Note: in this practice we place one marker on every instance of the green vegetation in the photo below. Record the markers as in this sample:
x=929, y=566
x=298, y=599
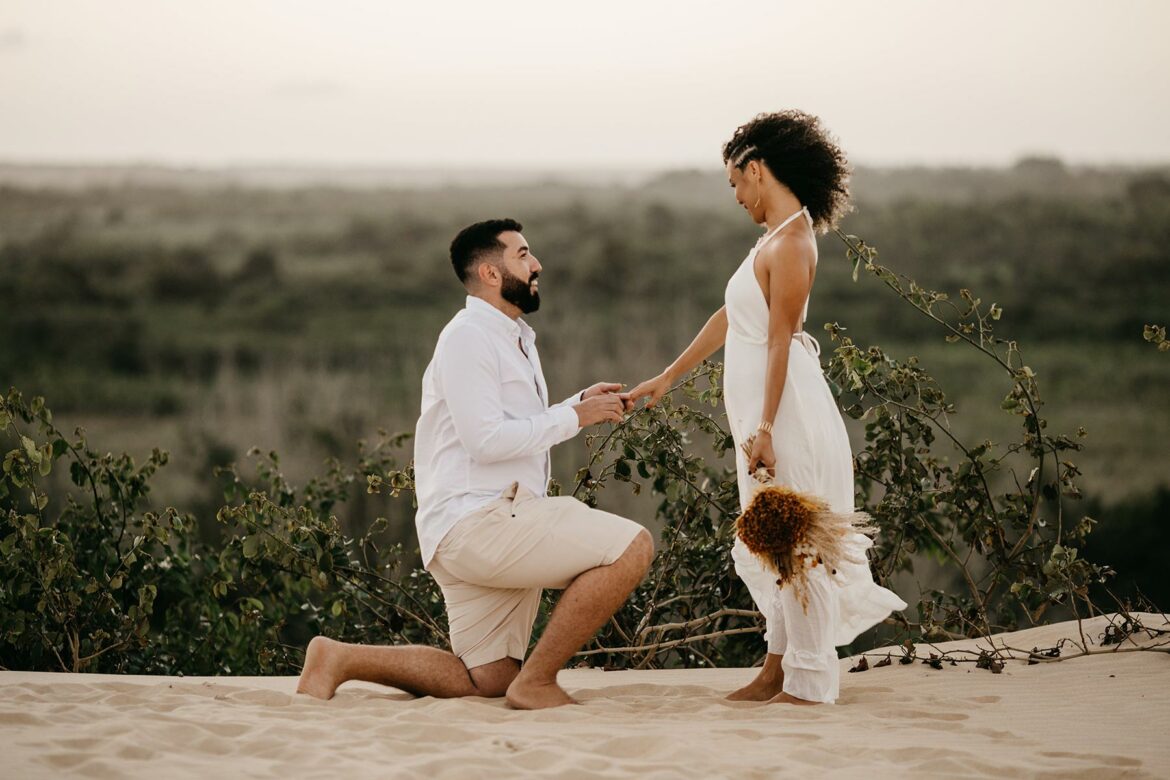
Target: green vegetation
x=99, y=581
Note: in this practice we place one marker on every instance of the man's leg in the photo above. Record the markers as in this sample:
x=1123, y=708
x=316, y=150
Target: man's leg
x=585, y=605
x=483, y=664
x=422, y=671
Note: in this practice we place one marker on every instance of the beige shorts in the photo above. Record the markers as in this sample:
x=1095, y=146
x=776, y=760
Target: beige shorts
x=493, y=565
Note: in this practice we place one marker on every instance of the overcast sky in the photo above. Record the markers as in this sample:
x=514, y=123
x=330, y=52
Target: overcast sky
x=501, y=83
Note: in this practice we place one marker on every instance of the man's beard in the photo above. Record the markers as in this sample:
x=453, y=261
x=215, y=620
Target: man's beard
x=519, y=293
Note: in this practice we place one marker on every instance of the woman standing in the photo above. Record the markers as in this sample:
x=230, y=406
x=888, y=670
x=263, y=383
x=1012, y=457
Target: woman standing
x=791, y=178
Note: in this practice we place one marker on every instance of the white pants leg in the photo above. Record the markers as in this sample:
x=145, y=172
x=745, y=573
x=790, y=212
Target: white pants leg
x=805, y=640
x=761, y=583
x=811, y=671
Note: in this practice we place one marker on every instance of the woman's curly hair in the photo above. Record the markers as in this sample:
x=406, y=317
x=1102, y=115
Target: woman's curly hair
x=802, y=155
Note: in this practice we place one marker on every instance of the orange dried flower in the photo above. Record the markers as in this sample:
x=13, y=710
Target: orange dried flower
x=793, y=532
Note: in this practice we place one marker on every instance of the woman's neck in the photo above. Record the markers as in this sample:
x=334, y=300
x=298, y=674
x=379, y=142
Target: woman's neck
x=782, y=205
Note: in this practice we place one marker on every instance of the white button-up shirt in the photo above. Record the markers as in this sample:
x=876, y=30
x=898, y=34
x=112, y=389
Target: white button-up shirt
x=485, y=420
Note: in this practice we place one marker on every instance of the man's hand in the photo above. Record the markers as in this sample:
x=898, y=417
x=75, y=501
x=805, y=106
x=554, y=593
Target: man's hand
x=599, y=408
x=599, y=389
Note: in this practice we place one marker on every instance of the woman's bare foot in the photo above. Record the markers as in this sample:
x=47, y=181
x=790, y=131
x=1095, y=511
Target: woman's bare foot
x=769, y=681
x=320, y=676
x=757, y=690
x=762, y=688
x=525, y=695
x=787, y=698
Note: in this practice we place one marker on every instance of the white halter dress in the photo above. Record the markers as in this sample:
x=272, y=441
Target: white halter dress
x=812, y=456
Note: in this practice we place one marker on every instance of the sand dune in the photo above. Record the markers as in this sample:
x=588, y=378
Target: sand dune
x=1098, y=716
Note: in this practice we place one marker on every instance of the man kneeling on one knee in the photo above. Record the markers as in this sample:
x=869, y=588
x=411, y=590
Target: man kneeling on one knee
x=488, y=532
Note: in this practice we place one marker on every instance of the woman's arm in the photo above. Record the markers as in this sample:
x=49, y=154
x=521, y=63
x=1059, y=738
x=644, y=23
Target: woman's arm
x=709, y=339
x=788, y=286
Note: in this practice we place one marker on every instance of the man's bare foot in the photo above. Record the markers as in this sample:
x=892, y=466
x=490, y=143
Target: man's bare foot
x=763, y=688
x=787, y=698
x=320, y=676
x=525, y=695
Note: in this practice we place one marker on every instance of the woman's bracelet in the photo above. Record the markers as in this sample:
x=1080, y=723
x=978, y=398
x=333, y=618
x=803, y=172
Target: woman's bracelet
x=765, y=426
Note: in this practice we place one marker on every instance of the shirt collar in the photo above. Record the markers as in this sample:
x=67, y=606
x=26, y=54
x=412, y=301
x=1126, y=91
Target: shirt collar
x=500, y=321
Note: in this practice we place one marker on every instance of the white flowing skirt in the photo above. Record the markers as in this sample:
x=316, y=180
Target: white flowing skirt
x=812, y=456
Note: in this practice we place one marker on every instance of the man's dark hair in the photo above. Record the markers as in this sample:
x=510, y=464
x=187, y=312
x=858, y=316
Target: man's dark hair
x=478, y=242
x=802, y=156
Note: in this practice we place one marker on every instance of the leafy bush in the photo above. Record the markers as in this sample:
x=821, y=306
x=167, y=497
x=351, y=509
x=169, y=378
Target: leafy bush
x=97, y=580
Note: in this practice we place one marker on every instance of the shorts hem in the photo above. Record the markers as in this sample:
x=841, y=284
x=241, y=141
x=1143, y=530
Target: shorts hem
x=496, y=651
x=618, y=548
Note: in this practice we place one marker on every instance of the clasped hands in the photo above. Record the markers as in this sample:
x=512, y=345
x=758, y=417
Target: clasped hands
x=604, y=402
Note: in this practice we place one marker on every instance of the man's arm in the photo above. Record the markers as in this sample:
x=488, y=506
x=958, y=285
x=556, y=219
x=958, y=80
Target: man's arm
x=470, y=382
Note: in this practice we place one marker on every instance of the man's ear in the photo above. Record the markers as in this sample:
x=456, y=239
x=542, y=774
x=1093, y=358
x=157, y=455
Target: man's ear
x=487, y=274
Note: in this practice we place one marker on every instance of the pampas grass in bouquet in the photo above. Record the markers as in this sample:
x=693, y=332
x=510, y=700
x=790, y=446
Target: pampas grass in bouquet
x=794, y=532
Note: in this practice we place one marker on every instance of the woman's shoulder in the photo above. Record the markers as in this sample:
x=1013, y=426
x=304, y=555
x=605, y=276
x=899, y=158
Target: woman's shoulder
x=788, y=250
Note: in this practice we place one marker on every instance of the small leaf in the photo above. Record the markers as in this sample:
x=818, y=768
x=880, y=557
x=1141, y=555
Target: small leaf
x=30, y=447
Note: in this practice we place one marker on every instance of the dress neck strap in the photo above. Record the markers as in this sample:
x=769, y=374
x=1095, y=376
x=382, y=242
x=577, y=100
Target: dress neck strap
x=786, y=223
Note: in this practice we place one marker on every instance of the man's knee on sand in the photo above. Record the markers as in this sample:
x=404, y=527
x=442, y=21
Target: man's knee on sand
x=491, y=680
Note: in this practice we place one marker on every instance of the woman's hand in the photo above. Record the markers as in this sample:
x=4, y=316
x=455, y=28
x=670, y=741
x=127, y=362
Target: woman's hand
x=762, y=456
x=652, y=389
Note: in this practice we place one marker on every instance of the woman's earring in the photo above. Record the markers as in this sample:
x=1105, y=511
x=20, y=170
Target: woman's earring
x=759, y=192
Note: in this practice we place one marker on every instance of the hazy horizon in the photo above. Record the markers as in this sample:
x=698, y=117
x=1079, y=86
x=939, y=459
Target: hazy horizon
x=522, y=84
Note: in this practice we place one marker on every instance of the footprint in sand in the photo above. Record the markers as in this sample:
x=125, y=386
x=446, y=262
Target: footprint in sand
x=214, y=746
x=67, y=760
x=266, y=698
x=924, y=715
x=225, y=729
x=538, y=759
x=136, y=753
x=20, y=719
x=1095, y=758
x=367, y=697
